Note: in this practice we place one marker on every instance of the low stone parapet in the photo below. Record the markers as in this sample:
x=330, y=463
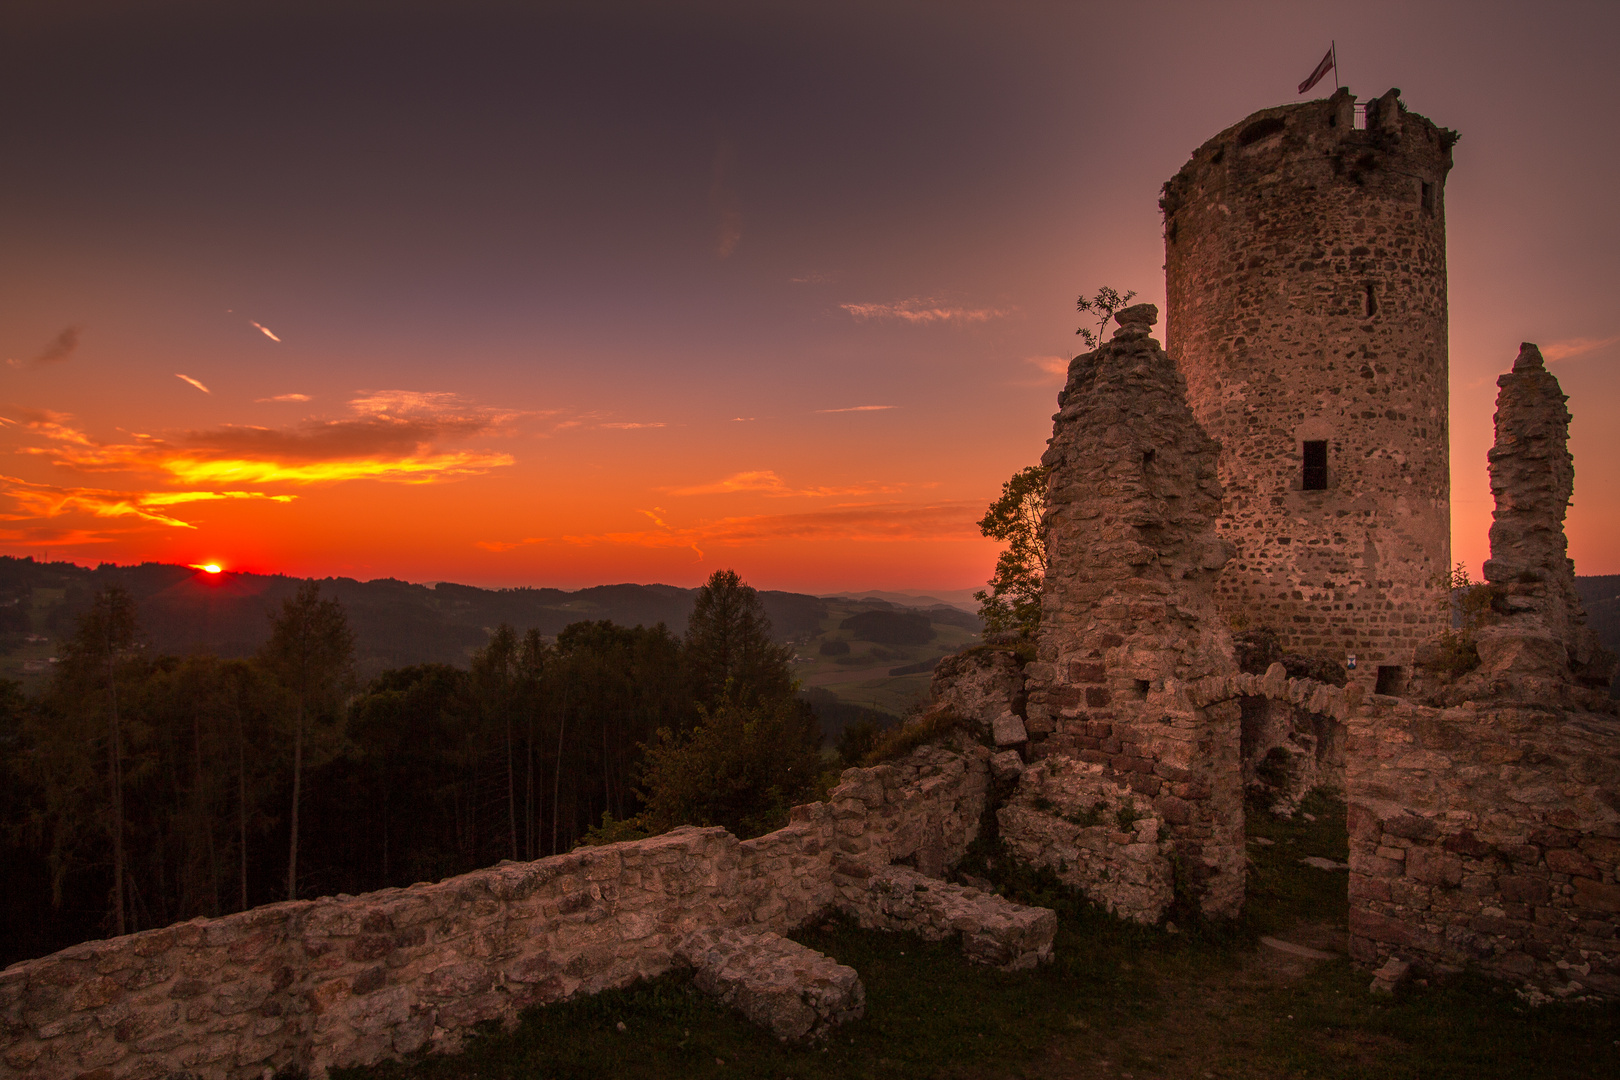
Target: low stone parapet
x=794, y=991
x=351, y=980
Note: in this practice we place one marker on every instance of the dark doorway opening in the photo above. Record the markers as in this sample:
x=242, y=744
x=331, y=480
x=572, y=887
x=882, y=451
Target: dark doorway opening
x=1391, y=680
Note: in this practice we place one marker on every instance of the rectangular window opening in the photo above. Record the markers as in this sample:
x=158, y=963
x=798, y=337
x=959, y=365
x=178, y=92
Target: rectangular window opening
x=1142, y=687
x=1391, y=680
x=1428, y=196
x=1148, y=456
x=1316, y=470
x=1372, y=301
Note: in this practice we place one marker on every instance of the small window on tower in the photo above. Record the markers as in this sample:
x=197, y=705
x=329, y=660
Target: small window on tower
x=1316, y=473
x=1372, y=301
x=1148, y=456
x=1428, y=196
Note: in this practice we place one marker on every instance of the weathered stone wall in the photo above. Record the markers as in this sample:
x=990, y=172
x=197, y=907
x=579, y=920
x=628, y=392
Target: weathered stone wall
x=1487, y=836
x=351, y=980
x=1305, y=265
x=1537, y=646
x=1128, y=616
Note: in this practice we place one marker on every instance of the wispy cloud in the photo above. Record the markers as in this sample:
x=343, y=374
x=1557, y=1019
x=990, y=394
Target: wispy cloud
x=813, y=279
x=859, y=408
x=885, y=522
x=741, y=419
x=396, y=437
x=285, y=397
x=1055, y=369
x=723, y=200
x=56, y=350
x=508, y=545
x=35, y=501
x=265, y=330
x=766, y=482
x=193, y=382
x=1572, y=347
x=628, y=426
x=922, y=311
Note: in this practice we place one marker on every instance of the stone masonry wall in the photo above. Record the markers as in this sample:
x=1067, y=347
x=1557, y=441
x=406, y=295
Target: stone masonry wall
x=351, y=980
x=1487, y=836
x=1305, y=266
x=1538, y=646
x=1128, y=619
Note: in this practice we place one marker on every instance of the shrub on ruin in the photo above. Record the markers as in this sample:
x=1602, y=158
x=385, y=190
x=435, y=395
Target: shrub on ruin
x=741, y=766
x=897, y=742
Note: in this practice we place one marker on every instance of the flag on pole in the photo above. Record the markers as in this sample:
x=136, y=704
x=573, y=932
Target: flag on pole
x=1329, y=62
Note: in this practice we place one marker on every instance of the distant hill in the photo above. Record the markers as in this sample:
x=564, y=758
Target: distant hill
x=395, y=622
x=1600, y=596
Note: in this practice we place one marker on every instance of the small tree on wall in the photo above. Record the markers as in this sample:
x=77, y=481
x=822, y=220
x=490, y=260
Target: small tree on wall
x=1102, y=307
x=1013, y=601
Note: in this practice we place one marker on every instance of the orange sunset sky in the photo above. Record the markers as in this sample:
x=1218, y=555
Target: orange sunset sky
x=567, y=294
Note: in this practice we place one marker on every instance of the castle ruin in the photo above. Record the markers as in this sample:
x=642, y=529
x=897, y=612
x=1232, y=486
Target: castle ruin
x=1280, y=466
x=1305, y=269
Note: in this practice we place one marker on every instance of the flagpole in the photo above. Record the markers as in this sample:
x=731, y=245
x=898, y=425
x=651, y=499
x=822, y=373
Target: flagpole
x=1338, y=82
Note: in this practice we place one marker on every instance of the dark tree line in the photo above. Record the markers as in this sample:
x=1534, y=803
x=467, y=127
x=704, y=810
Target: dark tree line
x=138, y=789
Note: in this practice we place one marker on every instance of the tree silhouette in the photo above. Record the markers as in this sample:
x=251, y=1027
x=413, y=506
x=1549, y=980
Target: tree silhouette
x=729, y=651
x=311, y=653
x=1013, y=602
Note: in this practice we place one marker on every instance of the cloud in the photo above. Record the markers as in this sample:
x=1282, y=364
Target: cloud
x=886, y=522
x=1054, y=368
x=1572, y=347
x=723, y=200
x=766, y=482
x=813, y=279
x=395, y=438
x=508, y=545
x=631, y=426
x=265, y=331
x=920, y=311
x=193, y=382
x=860, y=408
x=285, y=397
x=49, y=501
x=741, y=419
x=56, y=350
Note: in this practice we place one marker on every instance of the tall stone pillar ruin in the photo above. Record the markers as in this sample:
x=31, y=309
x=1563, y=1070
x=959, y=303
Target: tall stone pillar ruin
x=1136, y=795
x=1540, y=643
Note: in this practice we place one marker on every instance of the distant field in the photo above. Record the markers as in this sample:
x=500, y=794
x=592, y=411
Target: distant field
x=861, y=677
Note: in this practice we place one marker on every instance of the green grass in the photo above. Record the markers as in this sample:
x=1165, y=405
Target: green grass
x=1119, y=998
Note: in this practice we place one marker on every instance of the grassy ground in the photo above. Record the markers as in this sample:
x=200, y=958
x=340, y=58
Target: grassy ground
x=1119, y=1001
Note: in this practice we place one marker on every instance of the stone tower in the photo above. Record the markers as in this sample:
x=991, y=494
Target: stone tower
x=1305, y=264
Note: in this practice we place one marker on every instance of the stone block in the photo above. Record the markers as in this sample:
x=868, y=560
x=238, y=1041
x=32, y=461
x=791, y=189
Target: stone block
x=794, y=992
x=1008, y=730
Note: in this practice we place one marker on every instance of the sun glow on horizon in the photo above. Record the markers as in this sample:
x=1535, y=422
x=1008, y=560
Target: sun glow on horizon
x=207, y=568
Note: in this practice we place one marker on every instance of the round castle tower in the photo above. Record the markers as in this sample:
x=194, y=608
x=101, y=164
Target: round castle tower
x=1305, y=265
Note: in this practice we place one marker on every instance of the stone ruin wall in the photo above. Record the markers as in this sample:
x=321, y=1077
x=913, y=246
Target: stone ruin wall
x=1277, y=232
x=351, y=980
x=1147, y=778
x=1487, y=836
x=1488, y=833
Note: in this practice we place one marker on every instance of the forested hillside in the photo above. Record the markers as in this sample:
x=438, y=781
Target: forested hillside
x=140, y=786
x=395, y=623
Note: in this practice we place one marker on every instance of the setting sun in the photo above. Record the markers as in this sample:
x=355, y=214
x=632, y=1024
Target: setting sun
x=207, y=568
